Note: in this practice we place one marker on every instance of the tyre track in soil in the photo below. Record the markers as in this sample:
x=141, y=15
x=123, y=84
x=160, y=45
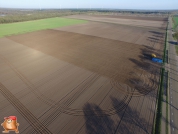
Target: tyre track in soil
x=32, y=87
x=112, y=111
x=153, y=74
x=152, y=85
x=57, y=111
x=152, y=103
x=130, y=90
x=149, y=115
x=118, y=86
x=135, y=120
x=108, y=112
x=37, y=84
x=83, y=111
x=138, y=107
x=68, y=102
x=144, y=127
x=120, y=107
x=141, y=110
x=141, y=125
x=77, y=112
x=27, y=82
x=30, y=118
x=54, y=111
x=125, y=108
x=38, y=94
x=132, y=123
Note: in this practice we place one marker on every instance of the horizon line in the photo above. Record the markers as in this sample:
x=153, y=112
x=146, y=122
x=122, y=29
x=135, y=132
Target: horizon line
x=90, y=9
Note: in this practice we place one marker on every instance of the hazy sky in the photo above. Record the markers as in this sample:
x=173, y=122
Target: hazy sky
x=117, y=4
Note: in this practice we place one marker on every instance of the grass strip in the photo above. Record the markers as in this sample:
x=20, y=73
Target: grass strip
x=157, y=124
x=167, y=129
x=154, y=122
x=175, y=21
x=159, y=106
x=165, y=47
x=176, y=49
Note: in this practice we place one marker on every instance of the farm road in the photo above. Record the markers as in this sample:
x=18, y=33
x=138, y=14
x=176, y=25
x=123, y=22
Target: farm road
x=173, y=78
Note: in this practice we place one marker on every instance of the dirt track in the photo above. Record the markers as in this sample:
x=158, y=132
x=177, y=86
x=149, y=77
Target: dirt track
x=78, y=83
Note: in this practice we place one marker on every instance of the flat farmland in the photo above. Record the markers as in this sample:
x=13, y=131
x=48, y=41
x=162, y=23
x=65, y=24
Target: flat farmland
x=130, y=34
x=73, y=81
x=153, y=22
x=135, y=17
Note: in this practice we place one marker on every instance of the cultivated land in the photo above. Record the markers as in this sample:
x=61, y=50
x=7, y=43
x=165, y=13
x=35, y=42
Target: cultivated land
x=86, y=78
x=29, y=26
x=125, y=33
x=137, y=21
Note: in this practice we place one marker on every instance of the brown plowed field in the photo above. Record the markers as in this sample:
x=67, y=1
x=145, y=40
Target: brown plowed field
x=61, y=81
x=137, y=21
x=136, y=17
x=130, y=34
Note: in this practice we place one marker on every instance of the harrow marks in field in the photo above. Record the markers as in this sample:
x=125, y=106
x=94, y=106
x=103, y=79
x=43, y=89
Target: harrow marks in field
x=139, y=84
x=32, y=120
x=73, y=78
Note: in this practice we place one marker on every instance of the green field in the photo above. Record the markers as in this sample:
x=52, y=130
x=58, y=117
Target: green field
x=175, y=20
x=176, y=49
x=29, y=26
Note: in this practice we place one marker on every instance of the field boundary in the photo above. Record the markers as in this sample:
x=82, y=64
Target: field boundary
x=157, y=124
x=167, y=86
x=159, y=103
x=167, y=107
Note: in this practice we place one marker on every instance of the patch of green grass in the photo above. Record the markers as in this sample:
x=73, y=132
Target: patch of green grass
x=176, y=49
x=29, y=26
x=159, y=105
x=175, y=20
x=167, y=129
x=157, y=122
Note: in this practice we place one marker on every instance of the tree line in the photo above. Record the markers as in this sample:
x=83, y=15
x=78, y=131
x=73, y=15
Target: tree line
x=19, y=15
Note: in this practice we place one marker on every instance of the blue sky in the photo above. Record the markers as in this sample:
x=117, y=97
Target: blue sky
x=116, y=4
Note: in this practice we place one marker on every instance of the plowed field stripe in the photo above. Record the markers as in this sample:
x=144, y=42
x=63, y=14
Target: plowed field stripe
x=28, y=116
